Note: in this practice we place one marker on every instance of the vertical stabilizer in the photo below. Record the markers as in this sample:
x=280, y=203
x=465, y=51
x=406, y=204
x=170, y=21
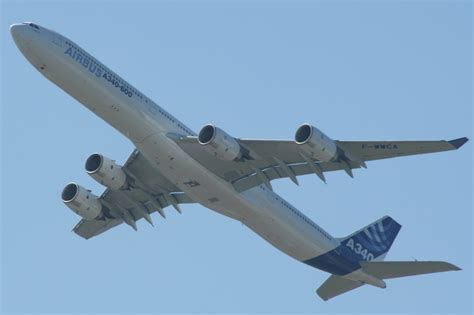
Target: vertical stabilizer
x=373, y=241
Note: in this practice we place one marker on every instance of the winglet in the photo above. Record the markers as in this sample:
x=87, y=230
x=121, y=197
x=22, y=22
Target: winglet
x=455, y=268
x=457, y=143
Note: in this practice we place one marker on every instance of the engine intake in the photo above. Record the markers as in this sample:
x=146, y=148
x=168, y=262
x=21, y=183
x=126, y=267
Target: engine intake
x=219, y=143
x=81, y=201
x=106, y=172
x=315, y=143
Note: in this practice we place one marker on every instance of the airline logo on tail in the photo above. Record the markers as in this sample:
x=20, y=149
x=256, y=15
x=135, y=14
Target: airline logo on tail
x=374, y=240
x=365, y=245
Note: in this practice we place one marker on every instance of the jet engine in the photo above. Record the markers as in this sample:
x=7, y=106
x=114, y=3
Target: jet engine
x=106, y=172
x=219, y=143
x=81, y=201
x=315, y=143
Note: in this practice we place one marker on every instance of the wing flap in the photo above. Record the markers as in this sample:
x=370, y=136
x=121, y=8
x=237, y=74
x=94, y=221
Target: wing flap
x=274, y=171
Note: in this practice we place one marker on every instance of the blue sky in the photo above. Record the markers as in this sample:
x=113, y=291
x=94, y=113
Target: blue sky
x=358, y=70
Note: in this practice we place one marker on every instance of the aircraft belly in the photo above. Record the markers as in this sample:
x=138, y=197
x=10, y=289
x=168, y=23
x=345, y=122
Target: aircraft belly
x=194, y=179
x=253, y=208
x=277, y=225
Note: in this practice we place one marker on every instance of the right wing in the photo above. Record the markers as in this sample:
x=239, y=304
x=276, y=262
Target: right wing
x=274, y=159
x=149, y=192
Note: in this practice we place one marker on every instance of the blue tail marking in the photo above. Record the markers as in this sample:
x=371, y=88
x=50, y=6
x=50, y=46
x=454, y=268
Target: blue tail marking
x=367, y=244
x=374, y=240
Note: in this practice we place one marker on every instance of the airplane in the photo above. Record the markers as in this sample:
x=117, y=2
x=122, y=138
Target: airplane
x=172, y=165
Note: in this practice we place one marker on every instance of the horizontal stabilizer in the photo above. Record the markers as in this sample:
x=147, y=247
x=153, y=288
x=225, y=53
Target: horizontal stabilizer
x=336, y=285
x=398, y=269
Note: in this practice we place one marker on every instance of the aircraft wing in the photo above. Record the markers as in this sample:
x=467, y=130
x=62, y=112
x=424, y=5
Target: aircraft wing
x=150, y=192
x=273, y=159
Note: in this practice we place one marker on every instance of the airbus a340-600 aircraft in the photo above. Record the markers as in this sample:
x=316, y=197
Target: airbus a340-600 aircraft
x=171, y=165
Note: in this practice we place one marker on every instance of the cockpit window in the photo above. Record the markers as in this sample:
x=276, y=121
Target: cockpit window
x=32, y=25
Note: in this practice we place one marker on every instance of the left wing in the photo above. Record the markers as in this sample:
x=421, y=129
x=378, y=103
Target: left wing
x=148, y=192
x=272, y=159
x=128, y=207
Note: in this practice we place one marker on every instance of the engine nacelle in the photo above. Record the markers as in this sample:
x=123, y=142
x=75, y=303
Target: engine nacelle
x=81, y=201
x=315, y=143
x=106, y=172
x=219, y=143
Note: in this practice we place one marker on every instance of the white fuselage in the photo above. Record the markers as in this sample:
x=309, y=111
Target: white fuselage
x=147, y=125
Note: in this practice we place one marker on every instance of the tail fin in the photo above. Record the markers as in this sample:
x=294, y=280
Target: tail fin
x=373, y=241
x=337, y=285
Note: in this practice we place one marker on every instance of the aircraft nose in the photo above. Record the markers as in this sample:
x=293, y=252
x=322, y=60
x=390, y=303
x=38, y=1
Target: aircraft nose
x=21, y=34
x=18, y=31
